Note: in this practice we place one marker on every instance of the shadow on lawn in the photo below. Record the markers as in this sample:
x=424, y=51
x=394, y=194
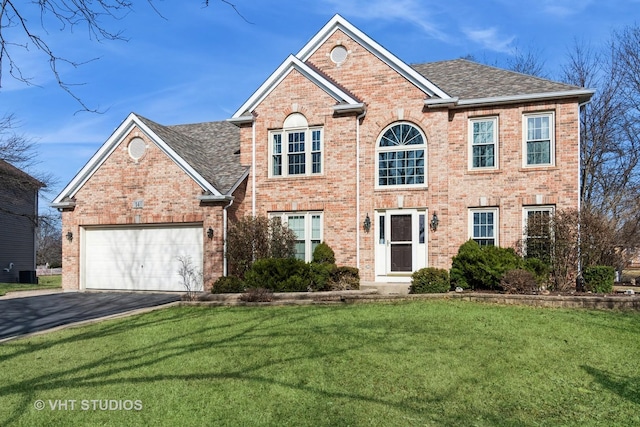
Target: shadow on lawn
x=260, y=332
x=108, y=370
x=243, y=332
x=625, y=387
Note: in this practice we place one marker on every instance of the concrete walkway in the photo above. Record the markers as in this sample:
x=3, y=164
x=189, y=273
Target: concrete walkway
x=386, y=288
x=31, y=293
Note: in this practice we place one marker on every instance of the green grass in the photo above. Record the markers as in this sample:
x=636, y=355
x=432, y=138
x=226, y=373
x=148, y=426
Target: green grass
x=435, y=363
x=44, y=282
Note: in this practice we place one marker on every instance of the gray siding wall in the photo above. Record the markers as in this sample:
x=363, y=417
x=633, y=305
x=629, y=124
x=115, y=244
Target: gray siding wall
x=17, y=232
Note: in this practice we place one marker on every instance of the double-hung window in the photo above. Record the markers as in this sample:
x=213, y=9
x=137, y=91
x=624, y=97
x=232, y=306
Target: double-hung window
x=483, y=226
x=307, y=226
x=537, y=232
x=539, y=143
x=401, y=157
x=296, y=149
x=483, y=146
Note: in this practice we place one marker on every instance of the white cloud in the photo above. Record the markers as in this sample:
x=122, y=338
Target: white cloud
x=413, y=11
x=489, y=38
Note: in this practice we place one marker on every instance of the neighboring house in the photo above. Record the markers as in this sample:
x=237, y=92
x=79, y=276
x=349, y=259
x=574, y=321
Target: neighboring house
x=18, y=224
x=394, y=166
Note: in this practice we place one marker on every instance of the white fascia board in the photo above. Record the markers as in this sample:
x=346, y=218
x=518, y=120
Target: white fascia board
x=109, y=147
x=338, y=22
x=290, y=64
x=578, y=93
x=95, y=161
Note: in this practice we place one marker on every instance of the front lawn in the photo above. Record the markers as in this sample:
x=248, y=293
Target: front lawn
x=44, y=282
x=433, y=363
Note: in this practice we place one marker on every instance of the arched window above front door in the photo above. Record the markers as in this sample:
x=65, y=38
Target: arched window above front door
x=401, y=157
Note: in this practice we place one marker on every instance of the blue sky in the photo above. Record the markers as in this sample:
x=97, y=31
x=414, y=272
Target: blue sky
x=200, y=64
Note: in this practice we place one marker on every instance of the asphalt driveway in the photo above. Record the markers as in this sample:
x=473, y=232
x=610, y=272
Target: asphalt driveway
x=20, y=316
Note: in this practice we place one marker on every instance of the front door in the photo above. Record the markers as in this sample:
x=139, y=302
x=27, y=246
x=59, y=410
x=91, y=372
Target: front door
x=400, y=244
x=400, y=248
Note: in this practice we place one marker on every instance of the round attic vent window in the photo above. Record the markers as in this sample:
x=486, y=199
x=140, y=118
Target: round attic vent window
x=339, y=54
x=137, y=148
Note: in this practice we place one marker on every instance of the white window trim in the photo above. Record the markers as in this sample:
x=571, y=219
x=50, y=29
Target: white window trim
x=552, y=139
x=308, y=150
x=284, y=217
x=496, y=139
x=496, y=222
x=408, y=148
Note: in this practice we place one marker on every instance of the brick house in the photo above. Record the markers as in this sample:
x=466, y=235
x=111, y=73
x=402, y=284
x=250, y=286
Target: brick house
x=394, y=166
x=18, y=224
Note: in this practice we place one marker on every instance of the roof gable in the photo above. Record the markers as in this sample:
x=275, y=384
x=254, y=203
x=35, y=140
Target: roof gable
x=187, y=152
x=292, y=63
x=339, y=23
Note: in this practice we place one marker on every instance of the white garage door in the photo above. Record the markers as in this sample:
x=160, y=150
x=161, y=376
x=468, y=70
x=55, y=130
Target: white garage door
x=140, y=258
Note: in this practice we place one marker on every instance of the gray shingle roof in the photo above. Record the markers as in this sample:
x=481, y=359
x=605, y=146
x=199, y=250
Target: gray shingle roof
x=212, y=149
x=469, y=80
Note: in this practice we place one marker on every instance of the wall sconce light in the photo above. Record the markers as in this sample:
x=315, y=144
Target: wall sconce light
x=210, y=233
x=69, y=236
x=367, y=224
x=433, y=225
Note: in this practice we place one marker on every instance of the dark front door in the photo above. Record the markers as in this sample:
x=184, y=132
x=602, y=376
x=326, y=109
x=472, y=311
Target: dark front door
x=400, y=243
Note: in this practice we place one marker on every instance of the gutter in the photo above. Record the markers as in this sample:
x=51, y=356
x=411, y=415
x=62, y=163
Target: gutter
x=349, y=108
x=454, y=103
x=208, y=198
x=63, y=205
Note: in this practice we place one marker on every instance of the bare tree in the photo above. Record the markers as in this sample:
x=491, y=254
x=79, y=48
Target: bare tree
x=96, y=17
x=18, y=155
x=529, y=61
x=49, y=241
x=610, y=129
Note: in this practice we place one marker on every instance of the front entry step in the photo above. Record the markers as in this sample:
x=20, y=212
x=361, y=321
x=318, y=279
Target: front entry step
x=387, y=288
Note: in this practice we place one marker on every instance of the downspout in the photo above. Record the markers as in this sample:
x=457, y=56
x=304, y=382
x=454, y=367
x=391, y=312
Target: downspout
x=580, y=191
x=253, y=168
x=225, y=223
x=358, y=118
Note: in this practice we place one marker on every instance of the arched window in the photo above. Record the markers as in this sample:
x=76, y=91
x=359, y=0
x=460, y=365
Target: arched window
x=401, y=157
x=296, y=149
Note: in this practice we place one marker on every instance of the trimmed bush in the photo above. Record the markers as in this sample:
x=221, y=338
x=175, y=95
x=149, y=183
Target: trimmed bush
x=344, y=279
x=479, y=267
x=320, y=275
x=228, y=285
x=599, y=278
x=429, y=280
x=279, y=275
x=519, y=282
x=324, y=254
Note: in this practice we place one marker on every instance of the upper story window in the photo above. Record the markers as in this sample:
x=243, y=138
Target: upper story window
x=401, y=156
x=539, y=144
x=296, y=149
x=483, y=143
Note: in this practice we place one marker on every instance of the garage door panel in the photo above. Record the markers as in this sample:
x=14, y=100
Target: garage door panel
x=140, y=258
